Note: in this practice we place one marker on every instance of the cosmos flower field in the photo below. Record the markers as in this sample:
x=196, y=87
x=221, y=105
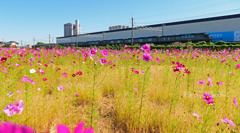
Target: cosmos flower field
x=128, y=90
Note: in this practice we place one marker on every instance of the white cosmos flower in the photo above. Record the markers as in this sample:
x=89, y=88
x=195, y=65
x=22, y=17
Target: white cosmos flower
x=91, y=58
x=32, y=70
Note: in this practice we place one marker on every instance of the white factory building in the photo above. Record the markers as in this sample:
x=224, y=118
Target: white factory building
x=225, y=28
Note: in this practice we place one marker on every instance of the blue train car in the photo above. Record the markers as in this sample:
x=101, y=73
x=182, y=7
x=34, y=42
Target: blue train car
x=222, y=36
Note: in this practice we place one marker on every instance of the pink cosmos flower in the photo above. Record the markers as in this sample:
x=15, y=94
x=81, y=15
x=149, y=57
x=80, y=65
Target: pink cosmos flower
x=201, y=82
x=163, y=60
x=10, y=110
x=105, y=52
x=12, y=128
x=64, y=74
x=19, y=106
x=24, y=79
x=41, y=71
x=76, y=95
x=79, y=129
x=135, y=89
x=103, y=61
x=208, y=98
x=219, y=83
x=146, y=47
x=31, y=81
x=10, y=94
x=92, y=52
x=157, y=60
x=230, y=122
x=196, y=115
x=209, y=82
x=235, y=102
x=60, y=87
x=147, y=57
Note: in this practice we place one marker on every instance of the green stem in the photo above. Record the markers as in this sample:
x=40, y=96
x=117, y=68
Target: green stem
x=140, y=110
x=94, y=81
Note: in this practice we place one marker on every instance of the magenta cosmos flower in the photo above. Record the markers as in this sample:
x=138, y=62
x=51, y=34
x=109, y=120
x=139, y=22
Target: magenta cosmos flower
x=230, y=122
x=3, y=59
x=85, y=55
x=103, y=61
x=92, y=52
x=237, y=66
x=208, y=98
x=104, y=52
x=64, y=74
x=147, y=57
x=146, y=47
x=79, y=129
x=201, y=82
x=12, y=128
x=219, y=83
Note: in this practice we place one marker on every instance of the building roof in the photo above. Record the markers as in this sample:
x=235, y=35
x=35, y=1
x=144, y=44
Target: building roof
x=167, y=24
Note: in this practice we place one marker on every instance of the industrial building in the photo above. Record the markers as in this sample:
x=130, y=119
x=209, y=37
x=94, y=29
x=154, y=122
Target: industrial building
x=72, y=29
x=225, y=28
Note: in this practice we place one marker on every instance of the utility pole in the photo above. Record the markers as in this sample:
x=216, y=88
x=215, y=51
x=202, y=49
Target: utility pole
x=103, y=36
x=33, y=40
x=49, y=40
x=163, y=29
x=132, y=30
x=77, y=39
x=21, y=43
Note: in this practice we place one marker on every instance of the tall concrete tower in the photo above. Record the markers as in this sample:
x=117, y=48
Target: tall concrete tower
x=78, y=27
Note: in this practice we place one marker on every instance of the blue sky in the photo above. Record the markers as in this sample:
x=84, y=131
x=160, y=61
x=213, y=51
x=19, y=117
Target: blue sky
x=25, y=19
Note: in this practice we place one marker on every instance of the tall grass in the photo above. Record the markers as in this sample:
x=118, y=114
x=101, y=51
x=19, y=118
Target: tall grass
x=104, y=96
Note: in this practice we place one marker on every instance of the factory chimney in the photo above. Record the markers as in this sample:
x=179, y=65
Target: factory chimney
x=77, y=27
